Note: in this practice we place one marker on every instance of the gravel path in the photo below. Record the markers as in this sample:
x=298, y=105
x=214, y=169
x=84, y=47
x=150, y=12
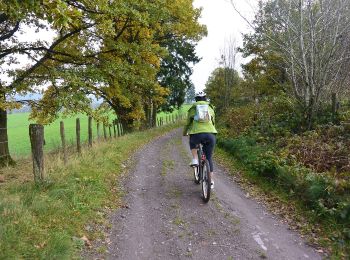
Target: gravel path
x=166, y=219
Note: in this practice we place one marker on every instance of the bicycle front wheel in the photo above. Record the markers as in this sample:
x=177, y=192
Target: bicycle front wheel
x=206, y=182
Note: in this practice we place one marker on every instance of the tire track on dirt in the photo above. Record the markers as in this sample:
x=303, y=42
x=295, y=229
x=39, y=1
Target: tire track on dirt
x=166, y=218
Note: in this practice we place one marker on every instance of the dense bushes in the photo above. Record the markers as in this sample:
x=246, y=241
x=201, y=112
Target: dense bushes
x=325, y=149
x=320, y=192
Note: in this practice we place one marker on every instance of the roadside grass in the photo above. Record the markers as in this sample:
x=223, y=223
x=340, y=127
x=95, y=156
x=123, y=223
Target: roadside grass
x=48, y=221
x=316, y=231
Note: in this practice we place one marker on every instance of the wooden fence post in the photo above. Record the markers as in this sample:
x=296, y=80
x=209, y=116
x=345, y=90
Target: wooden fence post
x=118, y=128
x=115, y=132
x=90, y=130
x=98, y=130
x=36, y=135
x=104, y=131
x=78, y=135
x=121, y=129
x=63, y=140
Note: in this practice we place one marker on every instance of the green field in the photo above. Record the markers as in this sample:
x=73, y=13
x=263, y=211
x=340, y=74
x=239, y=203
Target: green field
x=18, y=132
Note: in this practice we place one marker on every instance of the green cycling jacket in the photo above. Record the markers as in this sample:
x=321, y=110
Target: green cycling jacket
x=194, y=127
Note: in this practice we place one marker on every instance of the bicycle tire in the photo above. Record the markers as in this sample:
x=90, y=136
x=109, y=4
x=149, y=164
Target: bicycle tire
x=196, y=175
x=206, y=182
x=197, y=170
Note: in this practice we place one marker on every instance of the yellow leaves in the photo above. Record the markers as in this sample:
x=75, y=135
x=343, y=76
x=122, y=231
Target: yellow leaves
x=187, y=19
x=46, y=110
x=9, y=104
x=151, y=58
x=160, y=94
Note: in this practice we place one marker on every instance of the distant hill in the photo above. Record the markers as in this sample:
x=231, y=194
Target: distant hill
x=26, y=108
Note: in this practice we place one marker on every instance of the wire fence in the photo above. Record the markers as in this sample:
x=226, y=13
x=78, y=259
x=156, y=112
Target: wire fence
x=37, y=140
x=18, y=134
x=18, y=142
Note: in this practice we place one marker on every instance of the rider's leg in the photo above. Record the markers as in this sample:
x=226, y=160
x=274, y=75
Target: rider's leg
x=208, y=149
x=194, y=154
x=193, y=146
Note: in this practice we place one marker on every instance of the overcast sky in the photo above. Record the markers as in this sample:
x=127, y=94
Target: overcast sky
x=222, y=23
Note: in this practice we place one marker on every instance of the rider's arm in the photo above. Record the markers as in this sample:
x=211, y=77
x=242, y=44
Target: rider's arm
x=188, y=122
x=213, y=115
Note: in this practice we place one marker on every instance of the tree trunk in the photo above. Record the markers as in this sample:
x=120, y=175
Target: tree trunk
x=63, y=140
x=154, y=116
x=148, y=113
x=310, y=113
x=334, y=107
x=104, y=131
x=5, y=158
x=114, y=130
x=78, y=135
x=90, y=131
x=126, y=125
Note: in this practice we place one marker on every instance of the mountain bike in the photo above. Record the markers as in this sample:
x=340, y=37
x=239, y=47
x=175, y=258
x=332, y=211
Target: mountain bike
x=201, y=174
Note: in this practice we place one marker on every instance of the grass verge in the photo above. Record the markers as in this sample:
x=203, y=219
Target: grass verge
x=48, y=221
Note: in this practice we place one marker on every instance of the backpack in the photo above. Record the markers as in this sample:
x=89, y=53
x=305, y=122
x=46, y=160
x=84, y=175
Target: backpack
x=202, y=113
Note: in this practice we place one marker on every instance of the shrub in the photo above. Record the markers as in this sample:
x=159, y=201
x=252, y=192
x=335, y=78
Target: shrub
x=239, y=119
x=318, y=192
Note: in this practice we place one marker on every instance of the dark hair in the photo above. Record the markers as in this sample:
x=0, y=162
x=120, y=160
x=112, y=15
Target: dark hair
x=200, y=99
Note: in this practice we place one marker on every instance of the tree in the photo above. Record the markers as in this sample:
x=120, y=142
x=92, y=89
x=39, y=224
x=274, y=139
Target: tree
x=68, y=19
x=175, y=71
x=124, y=73
x=190, y=94
x=311, y=38
x=228, y=61
x=216, y=86
x=264, y=74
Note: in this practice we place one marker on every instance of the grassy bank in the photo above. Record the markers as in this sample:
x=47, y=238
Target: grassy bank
x=49, y=221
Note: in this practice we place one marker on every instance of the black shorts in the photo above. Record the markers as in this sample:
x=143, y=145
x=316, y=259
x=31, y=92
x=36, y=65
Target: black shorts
x=208, y=141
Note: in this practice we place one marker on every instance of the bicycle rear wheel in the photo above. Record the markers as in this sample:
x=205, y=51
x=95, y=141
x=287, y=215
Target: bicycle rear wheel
x=196, y=175
x=197, y=170
x=206, y=182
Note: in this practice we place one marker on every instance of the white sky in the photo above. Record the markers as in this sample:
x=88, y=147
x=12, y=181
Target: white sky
x=222, y=23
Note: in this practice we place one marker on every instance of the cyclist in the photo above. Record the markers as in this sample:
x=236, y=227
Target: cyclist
x=201, y=128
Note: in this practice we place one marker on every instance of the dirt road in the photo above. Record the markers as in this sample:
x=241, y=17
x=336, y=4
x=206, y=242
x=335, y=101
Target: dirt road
x=166, y=219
